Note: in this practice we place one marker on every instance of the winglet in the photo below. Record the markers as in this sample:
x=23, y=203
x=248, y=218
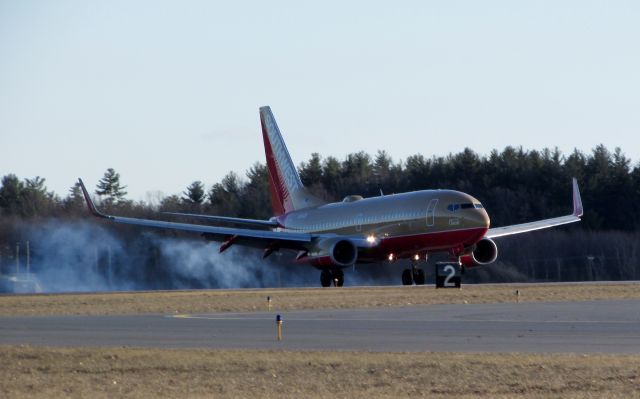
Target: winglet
x=577, y=201
x=92, y=208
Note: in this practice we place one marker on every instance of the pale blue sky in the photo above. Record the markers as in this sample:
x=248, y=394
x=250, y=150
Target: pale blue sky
x=167, y=92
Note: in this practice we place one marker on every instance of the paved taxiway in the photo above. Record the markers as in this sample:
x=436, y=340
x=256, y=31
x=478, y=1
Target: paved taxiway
x=598, y=326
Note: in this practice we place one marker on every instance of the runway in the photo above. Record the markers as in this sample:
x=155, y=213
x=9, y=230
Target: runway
x=582, y=327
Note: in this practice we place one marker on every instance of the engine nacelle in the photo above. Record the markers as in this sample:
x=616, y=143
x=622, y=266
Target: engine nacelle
x=333, y=252
x=485, y=252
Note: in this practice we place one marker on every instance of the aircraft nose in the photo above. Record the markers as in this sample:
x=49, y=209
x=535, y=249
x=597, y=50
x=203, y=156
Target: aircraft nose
x=479, y=218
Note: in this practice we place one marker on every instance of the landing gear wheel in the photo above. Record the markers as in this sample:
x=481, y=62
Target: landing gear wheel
x=418, y=276
x=407, y=278
x=331, y=277
x=338, y=277
x=326, y=278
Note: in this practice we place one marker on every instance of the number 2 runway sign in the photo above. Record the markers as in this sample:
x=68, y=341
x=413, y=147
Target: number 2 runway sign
x=447, y=275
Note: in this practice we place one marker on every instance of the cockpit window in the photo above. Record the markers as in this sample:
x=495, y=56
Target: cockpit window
x=466, y=205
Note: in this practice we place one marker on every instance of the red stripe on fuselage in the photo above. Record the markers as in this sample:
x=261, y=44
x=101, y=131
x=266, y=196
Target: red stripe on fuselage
x=406, y=246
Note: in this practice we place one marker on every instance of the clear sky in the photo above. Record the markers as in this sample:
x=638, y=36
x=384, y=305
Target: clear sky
x=167, y=92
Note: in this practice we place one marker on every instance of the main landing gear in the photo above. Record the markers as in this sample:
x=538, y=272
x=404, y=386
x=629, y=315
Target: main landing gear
x=413, y=275
x=330, y=277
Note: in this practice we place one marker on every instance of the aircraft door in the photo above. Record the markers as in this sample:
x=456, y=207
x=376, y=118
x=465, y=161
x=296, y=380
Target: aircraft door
x=431, y=212
x=359, y=218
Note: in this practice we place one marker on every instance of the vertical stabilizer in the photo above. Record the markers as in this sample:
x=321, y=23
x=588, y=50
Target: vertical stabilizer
x=287, y=192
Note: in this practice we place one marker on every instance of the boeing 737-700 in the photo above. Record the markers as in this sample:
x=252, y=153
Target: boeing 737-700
x=333, y=236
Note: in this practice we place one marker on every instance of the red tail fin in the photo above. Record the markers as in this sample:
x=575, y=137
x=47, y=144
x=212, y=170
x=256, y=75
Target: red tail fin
x=287, y=190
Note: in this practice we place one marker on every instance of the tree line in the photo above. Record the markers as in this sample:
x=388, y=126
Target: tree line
x=514, y=184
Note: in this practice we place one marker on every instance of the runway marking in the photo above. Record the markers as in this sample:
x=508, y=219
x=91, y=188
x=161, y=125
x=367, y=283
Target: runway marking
x=204, y=317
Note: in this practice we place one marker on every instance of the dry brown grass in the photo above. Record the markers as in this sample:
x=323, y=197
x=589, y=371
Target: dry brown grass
x=289, y=299
x=149, y=373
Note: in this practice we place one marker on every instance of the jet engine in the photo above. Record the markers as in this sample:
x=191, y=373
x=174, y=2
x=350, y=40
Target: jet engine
x=333, y=252
x=485, y=252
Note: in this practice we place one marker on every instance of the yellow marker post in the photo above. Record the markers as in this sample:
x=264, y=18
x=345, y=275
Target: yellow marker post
x=279, y=327
x=269, y=303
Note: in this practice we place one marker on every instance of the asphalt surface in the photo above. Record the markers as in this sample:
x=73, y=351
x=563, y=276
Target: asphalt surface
x=583, y=327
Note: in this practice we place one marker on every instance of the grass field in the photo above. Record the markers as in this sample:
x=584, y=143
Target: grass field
x=43, y=372
x=147, y=373
x=203, y=301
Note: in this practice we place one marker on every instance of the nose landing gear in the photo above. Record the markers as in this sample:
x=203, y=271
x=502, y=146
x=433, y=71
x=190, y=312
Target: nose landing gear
x=413, y=275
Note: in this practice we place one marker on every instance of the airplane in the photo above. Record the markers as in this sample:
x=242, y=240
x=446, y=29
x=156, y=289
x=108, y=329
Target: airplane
x=334, y=236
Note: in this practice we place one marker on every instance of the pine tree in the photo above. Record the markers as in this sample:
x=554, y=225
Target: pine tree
x=225, y=197
x=109, y=186
x=11, y=194
x=311, y=172
x=194, y=195
x=256, y=199
x=331, y=171
x=381, y=169
x=34, y=197
x=75, y=199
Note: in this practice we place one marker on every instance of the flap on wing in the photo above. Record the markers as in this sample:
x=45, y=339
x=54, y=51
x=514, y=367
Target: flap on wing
x=225, y=219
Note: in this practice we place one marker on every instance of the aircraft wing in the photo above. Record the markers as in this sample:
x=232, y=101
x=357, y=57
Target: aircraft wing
x=225, y=219
x=258, y=238
x=542, y=224
x=266, y=239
